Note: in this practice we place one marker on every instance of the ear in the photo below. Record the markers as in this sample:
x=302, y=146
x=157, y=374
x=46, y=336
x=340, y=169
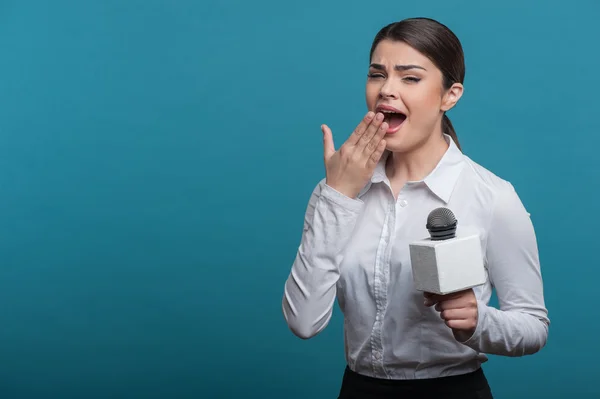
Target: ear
x=452, y=96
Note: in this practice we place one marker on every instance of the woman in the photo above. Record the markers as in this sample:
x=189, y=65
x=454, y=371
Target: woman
x=402, y=161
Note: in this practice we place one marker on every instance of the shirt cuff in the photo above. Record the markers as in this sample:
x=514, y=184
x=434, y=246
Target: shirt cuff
x=473, y=341
x=351, y=204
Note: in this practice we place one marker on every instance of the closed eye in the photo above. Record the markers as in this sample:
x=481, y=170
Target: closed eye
x=410, y=79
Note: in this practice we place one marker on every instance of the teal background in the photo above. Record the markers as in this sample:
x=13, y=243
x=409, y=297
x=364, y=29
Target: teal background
x=156, y=158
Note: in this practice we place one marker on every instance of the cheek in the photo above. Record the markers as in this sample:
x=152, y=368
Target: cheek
x=433, y=101
x=372, y=93
x=423, y=103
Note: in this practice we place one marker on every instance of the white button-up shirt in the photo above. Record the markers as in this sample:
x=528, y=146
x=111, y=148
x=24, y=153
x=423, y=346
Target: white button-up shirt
x=356, y=250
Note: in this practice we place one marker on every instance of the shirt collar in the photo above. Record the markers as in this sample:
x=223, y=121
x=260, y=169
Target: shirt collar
x=442, y=179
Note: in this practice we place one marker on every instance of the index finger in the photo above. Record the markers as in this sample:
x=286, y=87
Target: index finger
x=361, y=128
x=439, y=297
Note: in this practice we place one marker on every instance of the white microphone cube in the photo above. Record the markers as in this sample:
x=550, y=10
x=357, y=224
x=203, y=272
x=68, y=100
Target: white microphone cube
x=447, y=266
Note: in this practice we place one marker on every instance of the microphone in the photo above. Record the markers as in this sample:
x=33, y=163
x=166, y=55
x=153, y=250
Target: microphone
x=445, y=262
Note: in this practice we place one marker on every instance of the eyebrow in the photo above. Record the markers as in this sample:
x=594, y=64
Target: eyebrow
x=398, y=67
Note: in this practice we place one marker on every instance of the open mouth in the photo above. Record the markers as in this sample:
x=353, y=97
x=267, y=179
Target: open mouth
x=394, y=119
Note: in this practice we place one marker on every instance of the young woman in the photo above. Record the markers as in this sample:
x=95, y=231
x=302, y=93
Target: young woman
x=402, y=161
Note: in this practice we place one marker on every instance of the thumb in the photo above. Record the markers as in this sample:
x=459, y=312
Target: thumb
x=328, y=146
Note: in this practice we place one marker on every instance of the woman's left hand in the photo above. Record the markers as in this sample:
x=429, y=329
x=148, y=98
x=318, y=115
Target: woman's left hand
x=458, y=310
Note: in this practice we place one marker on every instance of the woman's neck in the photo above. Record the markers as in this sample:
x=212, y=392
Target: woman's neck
x=416, y=164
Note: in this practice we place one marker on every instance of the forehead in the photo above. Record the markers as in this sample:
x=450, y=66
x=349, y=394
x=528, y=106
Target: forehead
x=395, y=52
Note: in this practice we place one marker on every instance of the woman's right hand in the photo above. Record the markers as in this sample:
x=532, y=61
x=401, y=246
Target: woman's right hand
x=351, y=167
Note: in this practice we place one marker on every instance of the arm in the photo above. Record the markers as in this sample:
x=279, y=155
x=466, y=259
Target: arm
x=520, y=326
x=310, y=289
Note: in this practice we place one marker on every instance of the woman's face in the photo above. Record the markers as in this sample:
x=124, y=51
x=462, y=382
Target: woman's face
x=407, y=87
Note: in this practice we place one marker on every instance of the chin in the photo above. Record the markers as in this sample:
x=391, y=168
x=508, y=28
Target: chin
x=398, y=148
x=396, y=142
x=405, y=140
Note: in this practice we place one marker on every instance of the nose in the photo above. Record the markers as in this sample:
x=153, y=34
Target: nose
x=388, y=90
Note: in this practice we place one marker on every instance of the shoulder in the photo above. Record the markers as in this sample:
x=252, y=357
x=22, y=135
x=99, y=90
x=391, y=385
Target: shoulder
x=497, y=193
x=486, y=180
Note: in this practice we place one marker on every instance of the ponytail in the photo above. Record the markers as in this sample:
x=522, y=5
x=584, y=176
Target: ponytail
x=449, y=130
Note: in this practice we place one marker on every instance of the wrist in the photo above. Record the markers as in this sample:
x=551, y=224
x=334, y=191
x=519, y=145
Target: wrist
x=463, y=335
x=349, y=192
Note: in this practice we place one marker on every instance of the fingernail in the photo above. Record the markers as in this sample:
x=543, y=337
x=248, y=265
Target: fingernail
x=370, y=115
x=379, y=117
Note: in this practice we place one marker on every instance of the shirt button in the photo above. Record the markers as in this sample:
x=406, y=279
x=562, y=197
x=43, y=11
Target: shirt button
x=403, y=203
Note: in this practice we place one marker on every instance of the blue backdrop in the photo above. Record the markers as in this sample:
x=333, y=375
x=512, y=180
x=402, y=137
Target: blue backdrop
x=156, y=158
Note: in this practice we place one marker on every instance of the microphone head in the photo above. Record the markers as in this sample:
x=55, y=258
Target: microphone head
x=441, y=224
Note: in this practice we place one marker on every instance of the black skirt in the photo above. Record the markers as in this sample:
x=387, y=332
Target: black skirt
x=465, y=386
